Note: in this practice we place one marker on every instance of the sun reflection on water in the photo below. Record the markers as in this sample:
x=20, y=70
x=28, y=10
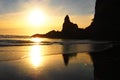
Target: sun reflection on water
x=36, y=40
x=35, y=56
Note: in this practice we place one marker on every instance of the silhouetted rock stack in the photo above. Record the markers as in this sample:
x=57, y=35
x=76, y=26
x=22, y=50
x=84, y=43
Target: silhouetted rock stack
x=69, y=27
x=105, y=25
x=71, y=30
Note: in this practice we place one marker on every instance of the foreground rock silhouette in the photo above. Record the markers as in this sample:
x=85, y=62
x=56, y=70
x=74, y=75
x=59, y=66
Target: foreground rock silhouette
x=105, y=25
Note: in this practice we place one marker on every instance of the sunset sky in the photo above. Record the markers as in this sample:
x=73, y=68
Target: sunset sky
x=27, y=17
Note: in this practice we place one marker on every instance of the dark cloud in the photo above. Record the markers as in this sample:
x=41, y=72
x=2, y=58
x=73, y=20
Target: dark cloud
x=9, y=6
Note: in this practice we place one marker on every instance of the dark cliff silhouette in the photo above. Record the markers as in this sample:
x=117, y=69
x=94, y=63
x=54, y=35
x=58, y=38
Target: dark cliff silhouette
x=105, y=25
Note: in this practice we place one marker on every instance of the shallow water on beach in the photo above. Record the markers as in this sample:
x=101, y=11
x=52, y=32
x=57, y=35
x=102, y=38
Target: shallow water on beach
x=25, y=58
x=54, y=67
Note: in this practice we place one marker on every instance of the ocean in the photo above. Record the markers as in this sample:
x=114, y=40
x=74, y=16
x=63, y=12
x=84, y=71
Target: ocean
x=27, y=58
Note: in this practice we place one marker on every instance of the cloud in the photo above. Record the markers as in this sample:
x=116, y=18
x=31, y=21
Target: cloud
x=8, y=6
x=74, y=7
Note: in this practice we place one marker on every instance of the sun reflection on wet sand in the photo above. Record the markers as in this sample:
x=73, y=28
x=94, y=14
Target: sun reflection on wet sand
x=35, y=56
x=36, y=40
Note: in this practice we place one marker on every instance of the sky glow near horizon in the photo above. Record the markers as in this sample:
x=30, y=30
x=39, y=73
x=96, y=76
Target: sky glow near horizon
x=14, y=15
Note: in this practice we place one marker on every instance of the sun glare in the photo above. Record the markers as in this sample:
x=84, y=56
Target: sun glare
x=36, y=40
x=36, y=17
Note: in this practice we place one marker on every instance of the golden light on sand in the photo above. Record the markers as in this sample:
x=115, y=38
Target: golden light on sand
x=35, y=56
x=36, y=17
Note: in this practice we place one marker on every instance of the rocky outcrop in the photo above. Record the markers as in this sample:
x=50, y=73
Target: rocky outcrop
x=69, y=27
x=69, y=31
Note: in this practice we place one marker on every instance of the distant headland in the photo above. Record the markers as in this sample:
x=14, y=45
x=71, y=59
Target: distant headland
x=105, y=25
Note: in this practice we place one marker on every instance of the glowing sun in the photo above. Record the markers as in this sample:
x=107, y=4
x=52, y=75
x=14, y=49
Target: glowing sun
x=36, y=17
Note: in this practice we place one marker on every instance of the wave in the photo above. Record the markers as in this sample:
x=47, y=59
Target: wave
x=14, y=36
x=16, y=40
x=29, y=43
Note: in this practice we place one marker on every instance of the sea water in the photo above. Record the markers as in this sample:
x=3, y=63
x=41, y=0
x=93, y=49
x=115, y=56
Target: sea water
x=27, y=58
